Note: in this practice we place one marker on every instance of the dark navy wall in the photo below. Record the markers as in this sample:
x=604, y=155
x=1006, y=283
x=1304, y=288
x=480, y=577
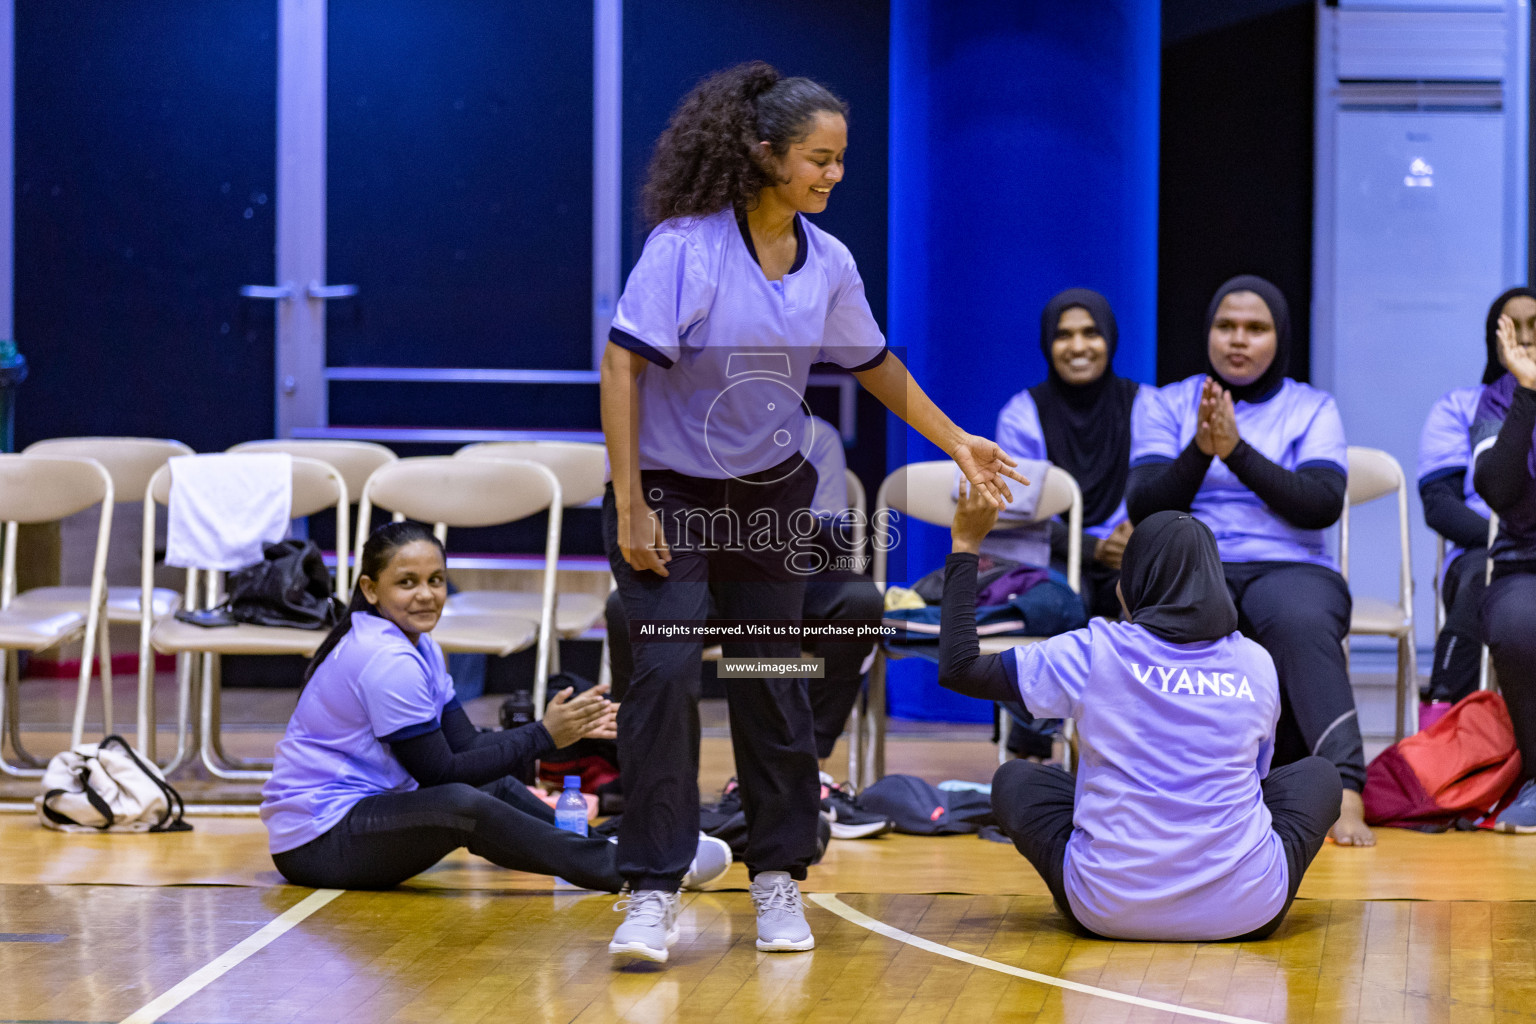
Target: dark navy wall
x=460, y=183
x=669, y=46
x=1023, y=161
x=1236, y=177
x=144, y=167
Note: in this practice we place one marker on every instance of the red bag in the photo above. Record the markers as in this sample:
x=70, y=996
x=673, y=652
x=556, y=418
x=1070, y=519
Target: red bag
x=1463, y=766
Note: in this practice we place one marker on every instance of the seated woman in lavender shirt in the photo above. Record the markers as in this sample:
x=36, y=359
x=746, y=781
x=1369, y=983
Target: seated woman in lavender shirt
x=1261, y=459
x=1175, y=828
x=380, y=774
x=1504, y=472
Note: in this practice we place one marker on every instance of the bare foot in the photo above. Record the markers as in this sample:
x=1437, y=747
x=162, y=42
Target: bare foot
x=1350, y=829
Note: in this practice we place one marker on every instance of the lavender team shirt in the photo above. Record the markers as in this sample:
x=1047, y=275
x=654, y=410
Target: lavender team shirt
x=1296, y=428
x=374, y=685
x=732, y=350
x=1445, y=446
x=1171, y=837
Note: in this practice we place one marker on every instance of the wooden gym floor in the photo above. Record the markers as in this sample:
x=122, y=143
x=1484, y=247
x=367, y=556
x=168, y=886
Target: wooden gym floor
x=197, y=928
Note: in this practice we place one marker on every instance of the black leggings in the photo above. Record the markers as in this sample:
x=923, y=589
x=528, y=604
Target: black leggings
x=1509, y=623
x=388, y=838
x=1299, y=613
x=832, y=596
x=772, y=731
x=1034, y=804
x=1459, y=647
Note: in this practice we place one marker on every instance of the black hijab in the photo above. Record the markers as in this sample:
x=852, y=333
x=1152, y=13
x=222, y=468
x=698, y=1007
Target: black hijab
x=1494, y=368
x=1280, y=311
x=1172, y=580
x=1087, y=427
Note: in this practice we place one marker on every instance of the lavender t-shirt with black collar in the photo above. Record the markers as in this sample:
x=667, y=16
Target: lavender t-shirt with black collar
x=1297, y=427
x=1171, y=839
x=1445, y=446
x=374, y=688
x=733, y=350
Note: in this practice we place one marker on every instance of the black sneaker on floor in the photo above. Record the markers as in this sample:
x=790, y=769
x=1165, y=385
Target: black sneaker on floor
x=840, y=807
x=730, y=798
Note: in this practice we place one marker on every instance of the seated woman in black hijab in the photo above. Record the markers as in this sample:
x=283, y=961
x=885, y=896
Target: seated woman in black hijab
x=1078, y=418
x=1261, y=459
x=1175, y=828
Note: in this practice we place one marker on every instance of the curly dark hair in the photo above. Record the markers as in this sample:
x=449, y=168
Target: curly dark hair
x=706, y=158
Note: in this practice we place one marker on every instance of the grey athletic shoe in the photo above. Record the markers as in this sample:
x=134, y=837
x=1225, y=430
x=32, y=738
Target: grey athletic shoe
x=710, y=861
x=1520, y=816
x=650, y=925
x=781, y=924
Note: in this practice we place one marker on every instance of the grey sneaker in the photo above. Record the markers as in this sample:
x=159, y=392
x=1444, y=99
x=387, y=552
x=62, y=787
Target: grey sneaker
x=650, y=925
x=1520, y=816
x=710, y=861
x=781, y=924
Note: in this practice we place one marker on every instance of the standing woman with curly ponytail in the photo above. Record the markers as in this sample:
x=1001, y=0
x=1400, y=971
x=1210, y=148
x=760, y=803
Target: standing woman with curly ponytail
x=734, y=297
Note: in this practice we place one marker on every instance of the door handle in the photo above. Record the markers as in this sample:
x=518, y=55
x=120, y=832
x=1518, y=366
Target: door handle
x=278, y=293
x=317, y=290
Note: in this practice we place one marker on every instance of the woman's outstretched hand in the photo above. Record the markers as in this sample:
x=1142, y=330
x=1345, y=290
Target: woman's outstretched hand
x=591, y=713
x=986, y=466
x=974, y=518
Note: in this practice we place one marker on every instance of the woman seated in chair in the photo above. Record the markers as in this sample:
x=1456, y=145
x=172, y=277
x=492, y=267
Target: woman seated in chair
x=1504, y=472
x=380, y=774
x=1453, y=509
x=1079, y=418
x=1261, y=459
x=1175, y=828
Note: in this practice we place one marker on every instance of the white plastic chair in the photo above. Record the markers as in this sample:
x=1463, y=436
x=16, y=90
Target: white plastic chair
x=452, y=492
x=130, y=462
x=354, y=460
x=45, y=489
x=1375, y=474
x=316, y=486
x=921, y=490
x=580, y=467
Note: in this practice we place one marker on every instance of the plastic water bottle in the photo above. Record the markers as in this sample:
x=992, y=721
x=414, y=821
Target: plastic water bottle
x=571, y=811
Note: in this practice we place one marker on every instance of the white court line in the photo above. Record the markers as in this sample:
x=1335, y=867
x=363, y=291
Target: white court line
x=829, y=901
x=217, y=968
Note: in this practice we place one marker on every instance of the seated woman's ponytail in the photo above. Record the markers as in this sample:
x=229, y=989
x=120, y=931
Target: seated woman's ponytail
x=377, y=552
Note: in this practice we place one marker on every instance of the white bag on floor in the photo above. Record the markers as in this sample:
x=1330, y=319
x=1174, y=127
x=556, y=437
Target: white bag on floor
x=107, y=787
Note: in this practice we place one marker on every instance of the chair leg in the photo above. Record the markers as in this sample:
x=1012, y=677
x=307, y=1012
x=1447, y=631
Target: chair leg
x=604, y=665
x=187, y=732
x=10, y=715
x=1003, y=724
x=855, y=731
x=83, y=693
x=875, y=761
x=1064, y=746
x=13, y=716
x=104, y=671
x=219, y=764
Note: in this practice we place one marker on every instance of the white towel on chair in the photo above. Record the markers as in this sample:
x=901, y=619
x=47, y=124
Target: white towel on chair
x=226, y=508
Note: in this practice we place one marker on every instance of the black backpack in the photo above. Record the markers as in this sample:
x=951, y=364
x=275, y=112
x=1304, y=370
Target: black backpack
x=290, y=586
